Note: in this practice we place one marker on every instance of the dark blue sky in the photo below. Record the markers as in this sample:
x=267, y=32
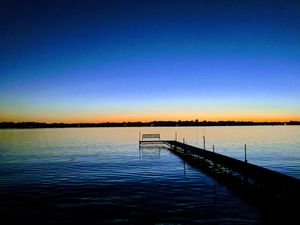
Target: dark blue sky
x=142, y=60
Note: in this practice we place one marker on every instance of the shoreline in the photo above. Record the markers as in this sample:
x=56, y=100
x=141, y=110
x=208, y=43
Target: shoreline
x=33, y=125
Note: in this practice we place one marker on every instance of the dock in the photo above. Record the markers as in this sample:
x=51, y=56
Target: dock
x=241, y=176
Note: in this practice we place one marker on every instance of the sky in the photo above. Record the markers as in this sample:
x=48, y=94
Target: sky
x=99, y=61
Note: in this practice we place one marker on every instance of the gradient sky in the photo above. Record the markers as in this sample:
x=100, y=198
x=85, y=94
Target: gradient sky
x=94, y=61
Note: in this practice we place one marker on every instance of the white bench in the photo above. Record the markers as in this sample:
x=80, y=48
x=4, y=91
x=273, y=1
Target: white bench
x=150, y=136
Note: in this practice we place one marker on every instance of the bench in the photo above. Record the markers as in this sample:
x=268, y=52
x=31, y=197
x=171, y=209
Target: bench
x=150, y=136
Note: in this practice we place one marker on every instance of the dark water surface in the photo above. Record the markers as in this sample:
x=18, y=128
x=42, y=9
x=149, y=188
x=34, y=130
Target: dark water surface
x=99, y=176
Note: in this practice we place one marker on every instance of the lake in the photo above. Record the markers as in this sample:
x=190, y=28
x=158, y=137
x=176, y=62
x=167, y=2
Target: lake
x=99, y=175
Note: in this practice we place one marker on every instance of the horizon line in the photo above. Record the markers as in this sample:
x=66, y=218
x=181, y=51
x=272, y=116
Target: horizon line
x=155, y=121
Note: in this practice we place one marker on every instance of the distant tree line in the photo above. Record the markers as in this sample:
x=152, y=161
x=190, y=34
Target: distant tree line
x=143, y=124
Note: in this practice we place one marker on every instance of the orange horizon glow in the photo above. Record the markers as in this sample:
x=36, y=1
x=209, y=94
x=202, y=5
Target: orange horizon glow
x=155, y=117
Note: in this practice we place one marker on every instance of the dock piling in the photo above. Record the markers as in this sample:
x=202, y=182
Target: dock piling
x=246, y=153
x=139, y=139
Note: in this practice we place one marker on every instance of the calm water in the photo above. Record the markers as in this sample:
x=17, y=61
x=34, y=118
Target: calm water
x=99, y=176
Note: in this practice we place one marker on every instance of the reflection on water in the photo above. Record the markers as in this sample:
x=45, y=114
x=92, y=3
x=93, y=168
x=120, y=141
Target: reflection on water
x=99, y=175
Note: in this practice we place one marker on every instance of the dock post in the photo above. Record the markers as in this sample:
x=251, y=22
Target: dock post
x=139, y=139
x=214, y=157
x=245, y=153
x=175, y=136
x=203, y=142
x=183, y=140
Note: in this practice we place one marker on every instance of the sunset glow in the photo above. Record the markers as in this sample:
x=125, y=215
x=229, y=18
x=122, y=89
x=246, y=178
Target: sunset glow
x=115, y=61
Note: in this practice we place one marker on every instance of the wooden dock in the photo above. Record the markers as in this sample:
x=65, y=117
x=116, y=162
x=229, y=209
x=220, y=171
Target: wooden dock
x=239, y=174
x=217, y=161
x=244, y=168
x=276, y=194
